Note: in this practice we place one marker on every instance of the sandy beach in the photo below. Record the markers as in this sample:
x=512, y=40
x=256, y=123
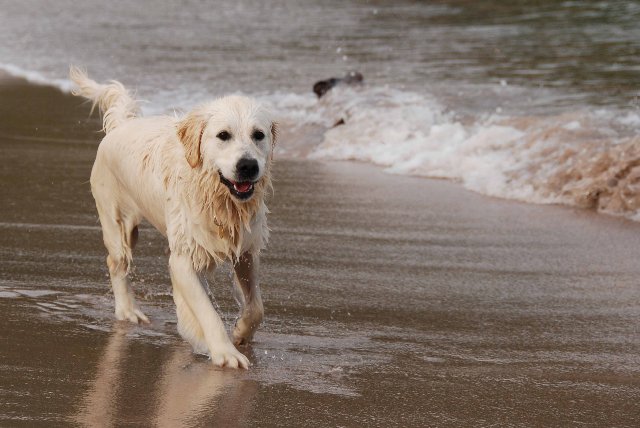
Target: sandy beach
x=390, y=301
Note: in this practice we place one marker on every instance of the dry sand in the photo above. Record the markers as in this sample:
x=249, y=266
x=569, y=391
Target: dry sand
x=390, y=301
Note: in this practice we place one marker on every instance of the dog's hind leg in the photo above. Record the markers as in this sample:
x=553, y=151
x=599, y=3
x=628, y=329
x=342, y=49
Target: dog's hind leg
x=252, y=311
x=120, y=236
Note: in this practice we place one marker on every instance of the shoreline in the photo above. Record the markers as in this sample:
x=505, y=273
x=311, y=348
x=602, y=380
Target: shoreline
x=610, y=201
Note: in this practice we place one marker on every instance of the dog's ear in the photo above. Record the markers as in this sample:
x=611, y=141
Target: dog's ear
x=190, y=130
x=274, y=135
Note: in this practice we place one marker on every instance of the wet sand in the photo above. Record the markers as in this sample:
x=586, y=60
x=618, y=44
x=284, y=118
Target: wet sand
x=390, y=301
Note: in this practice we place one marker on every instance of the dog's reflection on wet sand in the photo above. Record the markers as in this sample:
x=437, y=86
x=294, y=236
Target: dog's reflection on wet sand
x=188, y=390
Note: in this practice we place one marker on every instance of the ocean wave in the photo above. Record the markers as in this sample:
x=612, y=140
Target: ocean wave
x=36, y=77
x=588, y=158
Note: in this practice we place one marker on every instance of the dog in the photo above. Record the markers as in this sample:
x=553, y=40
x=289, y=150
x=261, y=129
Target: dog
x=201, y=180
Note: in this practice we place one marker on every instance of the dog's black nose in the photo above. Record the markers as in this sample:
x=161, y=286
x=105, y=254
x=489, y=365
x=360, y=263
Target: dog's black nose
x=247, y=169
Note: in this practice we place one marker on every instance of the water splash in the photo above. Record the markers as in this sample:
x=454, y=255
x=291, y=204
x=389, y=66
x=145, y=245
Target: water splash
x=586, y=158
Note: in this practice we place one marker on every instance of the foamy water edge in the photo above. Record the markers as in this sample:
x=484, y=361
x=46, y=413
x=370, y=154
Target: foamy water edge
x=588, y=158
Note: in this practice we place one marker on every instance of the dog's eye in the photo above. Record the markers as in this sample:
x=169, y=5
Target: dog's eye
x=258, y=135
x=224, y=136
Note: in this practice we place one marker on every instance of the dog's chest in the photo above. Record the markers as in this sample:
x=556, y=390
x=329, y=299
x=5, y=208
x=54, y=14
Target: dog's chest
x=222, y=241
x=215, y=239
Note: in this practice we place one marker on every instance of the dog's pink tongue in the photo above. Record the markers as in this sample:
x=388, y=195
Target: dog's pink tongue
x=242, y=187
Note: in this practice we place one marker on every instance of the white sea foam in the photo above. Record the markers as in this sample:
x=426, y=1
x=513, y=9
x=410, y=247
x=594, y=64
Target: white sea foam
x=36, y=78
x=587, y=158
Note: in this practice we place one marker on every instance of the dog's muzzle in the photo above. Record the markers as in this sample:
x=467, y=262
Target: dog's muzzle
x=247, y=171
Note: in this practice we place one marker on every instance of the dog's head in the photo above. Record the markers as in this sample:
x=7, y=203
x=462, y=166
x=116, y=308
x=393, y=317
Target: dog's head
x=234, y=137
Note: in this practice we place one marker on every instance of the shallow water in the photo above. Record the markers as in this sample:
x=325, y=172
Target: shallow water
x=390, y=301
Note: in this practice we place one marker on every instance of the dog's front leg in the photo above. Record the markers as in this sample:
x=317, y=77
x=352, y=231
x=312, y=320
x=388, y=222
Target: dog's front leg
x=252, y=311
x=197, y=319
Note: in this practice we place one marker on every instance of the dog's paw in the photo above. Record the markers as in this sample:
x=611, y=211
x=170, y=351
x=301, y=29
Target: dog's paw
x=246, y=325
x=242, y=334
x=229, y=356
x=131, y=313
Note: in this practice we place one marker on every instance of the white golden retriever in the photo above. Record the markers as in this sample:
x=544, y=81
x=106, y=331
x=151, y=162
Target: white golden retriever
x=201, y=181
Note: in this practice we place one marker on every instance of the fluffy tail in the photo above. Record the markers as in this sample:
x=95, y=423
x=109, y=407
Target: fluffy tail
x=113, y=99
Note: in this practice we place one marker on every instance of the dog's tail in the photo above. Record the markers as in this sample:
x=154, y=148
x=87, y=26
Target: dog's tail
x=113, y=99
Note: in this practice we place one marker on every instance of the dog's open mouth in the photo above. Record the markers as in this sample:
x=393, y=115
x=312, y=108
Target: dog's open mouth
x=240, y=189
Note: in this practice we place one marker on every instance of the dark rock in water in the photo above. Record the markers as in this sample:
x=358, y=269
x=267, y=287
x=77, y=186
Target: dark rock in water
x=323, y=86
